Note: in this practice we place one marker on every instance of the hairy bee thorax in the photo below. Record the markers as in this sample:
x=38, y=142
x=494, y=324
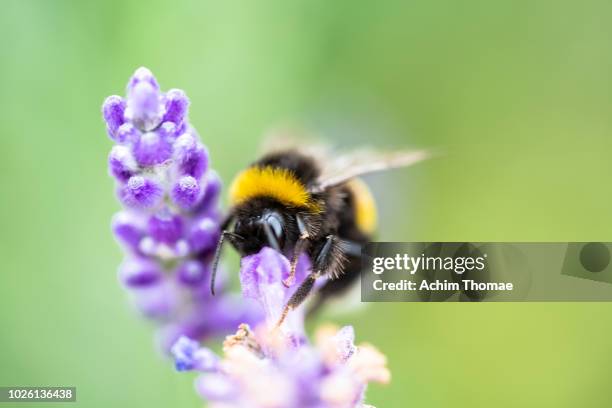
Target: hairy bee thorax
x=278, y=183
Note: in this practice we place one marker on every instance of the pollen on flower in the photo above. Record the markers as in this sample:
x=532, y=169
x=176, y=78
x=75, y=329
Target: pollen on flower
x=273, y=366
x=291, y=375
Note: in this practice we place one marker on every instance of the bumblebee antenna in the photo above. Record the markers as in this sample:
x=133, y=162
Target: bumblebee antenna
x=215, y=264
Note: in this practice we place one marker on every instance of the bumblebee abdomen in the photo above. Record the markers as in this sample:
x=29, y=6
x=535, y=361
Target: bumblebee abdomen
x=364, y=206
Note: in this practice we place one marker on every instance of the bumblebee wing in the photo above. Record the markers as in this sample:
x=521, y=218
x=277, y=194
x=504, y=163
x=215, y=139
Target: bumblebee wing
x=337, y=168
x=288, y=139
x=361, y=162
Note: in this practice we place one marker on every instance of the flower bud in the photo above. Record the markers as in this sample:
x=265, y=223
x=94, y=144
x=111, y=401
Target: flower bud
x=204, y=235
x=168, y=131
x=189, y=355
x=191, y=272
x=165, y=227
x=176, y=106
x=112, y=111
x=145, y=107
x=127, y=133
x=127, y=230
x=186, y=192
x=151, y=148
x=142, y=74
x=191, y=157
x=139, y=272
x=158, y=301
x=121, y=163
x=210, y=193
x=140, y=192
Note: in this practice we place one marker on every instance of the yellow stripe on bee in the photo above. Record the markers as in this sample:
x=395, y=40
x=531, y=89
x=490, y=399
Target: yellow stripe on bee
x=274, y=182
x=365, y=206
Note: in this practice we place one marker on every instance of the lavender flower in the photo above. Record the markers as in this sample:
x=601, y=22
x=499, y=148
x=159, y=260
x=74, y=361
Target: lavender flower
x=169, y=228
x=170, y=222
x=277, y=367
x=261, y=277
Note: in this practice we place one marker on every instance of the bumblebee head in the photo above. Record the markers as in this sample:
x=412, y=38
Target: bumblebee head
x=265, y=229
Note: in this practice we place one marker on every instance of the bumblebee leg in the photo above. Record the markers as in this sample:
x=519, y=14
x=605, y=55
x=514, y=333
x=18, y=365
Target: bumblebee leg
x=322, y=262
x=297, y=249
x=299, y=296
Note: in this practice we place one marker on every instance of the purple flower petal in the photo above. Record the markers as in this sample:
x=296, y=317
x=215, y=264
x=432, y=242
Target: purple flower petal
x=140, y=192
x=261, y=277
x=345, y=342
x=216, y=387
x=262, y=269
x=186, y=192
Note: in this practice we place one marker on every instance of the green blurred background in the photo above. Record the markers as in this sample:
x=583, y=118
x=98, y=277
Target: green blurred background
x=518, y=94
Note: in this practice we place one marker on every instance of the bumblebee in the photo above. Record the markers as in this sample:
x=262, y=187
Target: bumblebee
x=295, y=201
